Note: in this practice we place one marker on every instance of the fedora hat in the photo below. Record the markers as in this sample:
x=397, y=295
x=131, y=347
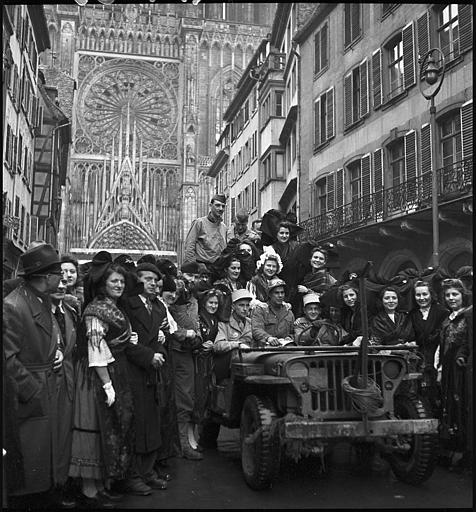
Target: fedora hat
x=38, y=259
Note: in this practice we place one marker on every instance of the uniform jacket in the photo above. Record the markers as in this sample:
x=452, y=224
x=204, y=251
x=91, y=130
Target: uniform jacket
x=267, y=321
x=205, y=240
x=30, y=347
x=231, y=333
x=144, y=378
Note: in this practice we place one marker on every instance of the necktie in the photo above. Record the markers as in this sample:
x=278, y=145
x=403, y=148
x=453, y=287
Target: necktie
x=59, y=315
x=148, y=305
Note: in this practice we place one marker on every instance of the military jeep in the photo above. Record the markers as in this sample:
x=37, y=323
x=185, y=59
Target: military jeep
x=290, y=402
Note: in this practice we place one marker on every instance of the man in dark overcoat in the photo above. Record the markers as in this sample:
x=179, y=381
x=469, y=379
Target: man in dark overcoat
x=147, y=316
x=32, y=344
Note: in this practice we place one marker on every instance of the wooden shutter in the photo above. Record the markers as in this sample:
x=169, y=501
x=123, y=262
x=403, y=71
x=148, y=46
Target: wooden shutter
x=425, y=159
x=330, y=113
x=364, y=88
x=408, y=56
x=317, y=121
x=365, y=185
x=356, y=29
x=423, y=28
x=467, y=128
x=347, y=24
x=377, y=77
x=317, y=52
x=347, y=100
x=465, y=14
x=330, y=191
x=410, y=164
x=324, y=49
x=378, y=180
x=339, y=187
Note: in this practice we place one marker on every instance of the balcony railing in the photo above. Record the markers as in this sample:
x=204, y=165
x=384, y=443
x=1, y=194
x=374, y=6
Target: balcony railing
x=410, y=196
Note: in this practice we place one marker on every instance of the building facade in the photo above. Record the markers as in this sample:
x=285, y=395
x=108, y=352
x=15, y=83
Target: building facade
x=258, y=163
x=365, y=145
x=147, y=86
x=25, y=37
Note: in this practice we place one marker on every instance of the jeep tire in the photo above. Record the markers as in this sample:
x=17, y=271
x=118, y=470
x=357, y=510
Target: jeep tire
x=416, y=465
x=260, y=448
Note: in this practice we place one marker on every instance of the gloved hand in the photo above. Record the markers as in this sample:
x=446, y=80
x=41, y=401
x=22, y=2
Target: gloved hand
x=110, y=393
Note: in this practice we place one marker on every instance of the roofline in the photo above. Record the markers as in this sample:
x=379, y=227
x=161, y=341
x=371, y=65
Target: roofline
x=40, y=27
x=279, y=23
x=322, y=10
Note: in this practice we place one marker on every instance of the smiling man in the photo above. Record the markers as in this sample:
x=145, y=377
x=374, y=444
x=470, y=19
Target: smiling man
x=206, y=238
x=272, y=323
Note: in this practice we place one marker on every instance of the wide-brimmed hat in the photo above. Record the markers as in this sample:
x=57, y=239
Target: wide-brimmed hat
x=241, y=294
x=275, y=282
x=39, y=259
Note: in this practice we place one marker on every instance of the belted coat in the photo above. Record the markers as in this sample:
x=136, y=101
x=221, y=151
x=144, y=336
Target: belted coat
x=144, y=378
x=30, y=343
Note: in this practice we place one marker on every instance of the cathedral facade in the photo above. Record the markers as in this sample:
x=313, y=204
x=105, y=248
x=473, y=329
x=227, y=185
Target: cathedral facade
x=145, y=87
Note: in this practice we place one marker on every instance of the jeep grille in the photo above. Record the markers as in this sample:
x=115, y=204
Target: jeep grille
x=325, y=395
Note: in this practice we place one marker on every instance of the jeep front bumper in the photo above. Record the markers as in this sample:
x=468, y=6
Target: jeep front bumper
x=308, y=429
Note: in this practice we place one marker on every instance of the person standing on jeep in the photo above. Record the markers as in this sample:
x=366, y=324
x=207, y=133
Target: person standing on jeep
x=206, y=238
x=272, y=323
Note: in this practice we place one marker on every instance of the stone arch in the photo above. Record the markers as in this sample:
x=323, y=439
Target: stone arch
x=129, y=235
x=157, y=45
x=53, y=33
x=395, y=260
x=139, y=43
x=455, y=253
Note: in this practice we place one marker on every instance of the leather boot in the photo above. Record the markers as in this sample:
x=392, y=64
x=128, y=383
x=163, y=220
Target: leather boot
x=187, y=451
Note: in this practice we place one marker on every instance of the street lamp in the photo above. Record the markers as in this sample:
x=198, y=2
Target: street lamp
x=432, y=72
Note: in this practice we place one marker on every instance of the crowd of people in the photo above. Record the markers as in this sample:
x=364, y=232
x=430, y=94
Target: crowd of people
x=108, y=365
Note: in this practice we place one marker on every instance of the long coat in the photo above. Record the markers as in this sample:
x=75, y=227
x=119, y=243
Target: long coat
x=66, y=386
x=30, y=347
x=144, y=378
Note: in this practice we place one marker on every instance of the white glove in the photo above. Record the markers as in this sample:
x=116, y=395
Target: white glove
x=110, y=393
x=161, y=337
x=357, y=341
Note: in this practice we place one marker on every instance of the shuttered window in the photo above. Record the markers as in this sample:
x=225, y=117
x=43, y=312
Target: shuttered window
x=394, y=67
x=8, y=146
x=465, y=12
x=356, y=94
x=324, y=123
x=352, y=23
x=321, y=56
x=450, y=138
x=467, y=128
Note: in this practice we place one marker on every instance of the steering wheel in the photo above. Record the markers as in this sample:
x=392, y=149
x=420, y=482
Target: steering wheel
x=316, y=341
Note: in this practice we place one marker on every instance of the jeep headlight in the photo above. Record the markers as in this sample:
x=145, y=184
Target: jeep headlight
x=392, y=368
x=297, y=370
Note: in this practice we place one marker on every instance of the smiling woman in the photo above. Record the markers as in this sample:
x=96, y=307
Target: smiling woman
x=103, y=406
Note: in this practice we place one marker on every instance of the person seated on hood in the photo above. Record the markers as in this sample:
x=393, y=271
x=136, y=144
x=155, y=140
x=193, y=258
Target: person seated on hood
x=273, y=323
